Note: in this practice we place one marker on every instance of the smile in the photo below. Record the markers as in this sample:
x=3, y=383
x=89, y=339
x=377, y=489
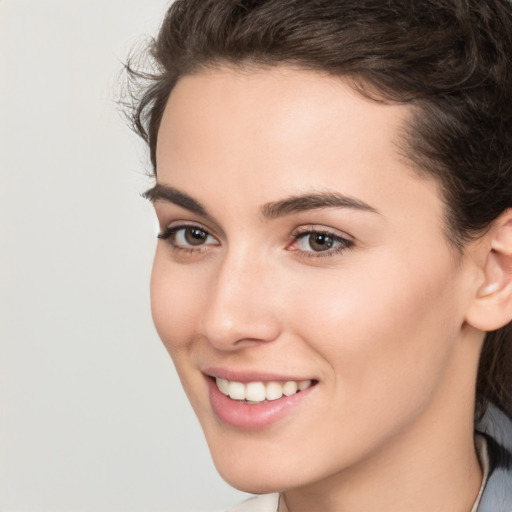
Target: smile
x=258, y=391
x=254, y=403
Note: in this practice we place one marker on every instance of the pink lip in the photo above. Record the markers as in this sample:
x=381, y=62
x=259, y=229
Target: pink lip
x=251, y=376
x=253, y=416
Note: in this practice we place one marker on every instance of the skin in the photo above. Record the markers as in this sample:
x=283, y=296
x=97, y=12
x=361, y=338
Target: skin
x=382, y=325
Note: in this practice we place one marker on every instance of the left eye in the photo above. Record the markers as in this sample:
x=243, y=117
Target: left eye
x=191, y=236
x=316, y=241
x=188, y=236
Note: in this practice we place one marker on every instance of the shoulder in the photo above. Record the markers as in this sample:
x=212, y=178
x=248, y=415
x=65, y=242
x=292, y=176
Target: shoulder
x=496, y=426
x=263, y=503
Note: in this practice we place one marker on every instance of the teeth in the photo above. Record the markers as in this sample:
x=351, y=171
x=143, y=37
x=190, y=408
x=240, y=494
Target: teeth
x=257, y=392
x=236, y=390
x=274, y=391
x=223, y=385
x=304, y=384
x=290, y=388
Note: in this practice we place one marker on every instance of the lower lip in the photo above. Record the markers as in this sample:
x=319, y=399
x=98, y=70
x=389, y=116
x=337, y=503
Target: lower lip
x=253, y=416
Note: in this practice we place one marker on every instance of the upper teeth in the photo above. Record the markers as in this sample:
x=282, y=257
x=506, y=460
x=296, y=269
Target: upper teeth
x=260, y=391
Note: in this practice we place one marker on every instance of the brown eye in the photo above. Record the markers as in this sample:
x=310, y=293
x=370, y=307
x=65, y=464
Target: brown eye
x=320, y=242
x=195, y=236
x=188, y=237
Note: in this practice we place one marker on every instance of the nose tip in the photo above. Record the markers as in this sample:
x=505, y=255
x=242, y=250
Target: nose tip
x=240, y=310
x=227, y=333
x=230, y=335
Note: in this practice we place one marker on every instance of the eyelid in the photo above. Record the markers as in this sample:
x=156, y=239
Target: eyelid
x=343, y=241
x=168, y=233
x=177, y=224
x=169, y=214
x=318, y=228
x=347, y=242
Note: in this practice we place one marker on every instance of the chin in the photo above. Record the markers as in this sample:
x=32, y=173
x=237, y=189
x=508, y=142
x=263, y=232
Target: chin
x=247, y=481
x=256, y=475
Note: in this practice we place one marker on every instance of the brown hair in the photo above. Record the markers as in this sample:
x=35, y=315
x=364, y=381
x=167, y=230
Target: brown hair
x=451, y=59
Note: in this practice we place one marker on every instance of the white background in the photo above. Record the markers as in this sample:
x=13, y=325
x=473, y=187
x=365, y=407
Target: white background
x=92, y=415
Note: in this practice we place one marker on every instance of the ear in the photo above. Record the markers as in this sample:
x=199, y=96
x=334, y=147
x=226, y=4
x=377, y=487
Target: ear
x=491, y=307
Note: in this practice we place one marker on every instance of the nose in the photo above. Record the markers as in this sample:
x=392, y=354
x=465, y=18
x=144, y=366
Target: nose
x=241, y=304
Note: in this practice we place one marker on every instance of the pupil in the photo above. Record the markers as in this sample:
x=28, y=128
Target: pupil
x=320, y=242
x=195, y=236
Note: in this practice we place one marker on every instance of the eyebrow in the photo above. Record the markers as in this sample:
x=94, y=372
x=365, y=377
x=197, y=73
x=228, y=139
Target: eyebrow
x=272, y=210
x=172, y=195
x=313, y=201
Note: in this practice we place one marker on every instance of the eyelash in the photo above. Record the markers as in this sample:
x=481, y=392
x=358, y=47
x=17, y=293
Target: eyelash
x=170, y=233
x=345, y=244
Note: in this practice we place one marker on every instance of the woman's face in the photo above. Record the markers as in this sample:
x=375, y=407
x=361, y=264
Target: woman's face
x=299, y=247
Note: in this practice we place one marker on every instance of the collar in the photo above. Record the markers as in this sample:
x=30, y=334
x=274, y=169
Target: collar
x=496, y=428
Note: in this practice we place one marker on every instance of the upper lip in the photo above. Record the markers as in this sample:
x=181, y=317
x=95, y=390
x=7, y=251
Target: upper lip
x=245, y=376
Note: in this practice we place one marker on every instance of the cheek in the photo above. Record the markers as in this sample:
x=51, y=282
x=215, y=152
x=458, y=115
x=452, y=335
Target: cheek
x=383, y=328
x=175, y=302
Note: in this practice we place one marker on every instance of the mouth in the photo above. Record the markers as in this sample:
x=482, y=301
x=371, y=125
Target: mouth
x=258, y=392
x=256, y=404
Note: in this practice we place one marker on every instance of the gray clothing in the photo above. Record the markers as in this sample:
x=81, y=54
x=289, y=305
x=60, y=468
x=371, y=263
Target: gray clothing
x=496, y=427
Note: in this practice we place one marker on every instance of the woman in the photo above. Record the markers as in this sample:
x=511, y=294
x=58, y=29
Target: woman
x=333, y=277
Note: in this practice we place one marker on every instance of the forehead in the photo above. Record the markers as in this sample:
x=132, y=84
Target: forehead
x=276, y=104
x=261, y=134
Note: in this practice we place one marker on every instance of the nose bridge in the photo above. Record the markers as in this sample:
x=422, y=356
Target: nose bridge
x=239, y=303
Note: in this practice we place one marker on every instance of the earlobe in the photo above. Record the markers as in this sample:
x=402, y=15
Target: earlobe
x=491, y=307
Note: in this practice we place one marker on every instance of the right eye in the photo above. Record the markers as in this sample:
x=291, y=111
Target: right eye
x=187, y=237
